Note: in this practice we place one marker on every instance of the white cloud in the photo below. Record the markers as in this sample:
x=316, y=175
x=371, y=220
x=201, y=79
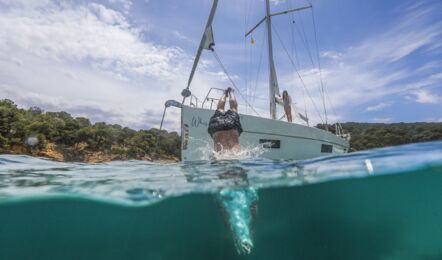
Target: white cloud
x=377, y=107
x=24, y=3
x=412, y=33
x=126, y=4
x=108, y=16
x=429, y=66
x=376, y=68
x=88, y=59
x=78, y=33
x=331, y=55
x=425, y=97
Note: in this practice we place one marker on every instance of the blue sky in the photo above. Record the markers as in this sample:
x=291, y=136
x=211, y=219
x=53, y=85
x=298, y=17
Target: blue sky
x=119, y=60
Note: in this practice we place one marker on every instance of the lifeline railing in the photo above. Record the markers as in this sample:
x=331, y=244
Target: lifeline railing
x=207, y=98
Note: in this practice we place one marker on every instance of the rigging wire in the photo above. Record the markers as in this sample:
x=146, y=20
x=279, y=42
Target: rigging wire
x=231, y=80
x=309, y=51
x=305, y=40
x=325, y=90
x=258, y=73
x=245, y=49
x=292, y=34
x=249, y=51
x=295, y=52
x=332, y=109
x=320, y=83
x=320, y=69
x=297, y=72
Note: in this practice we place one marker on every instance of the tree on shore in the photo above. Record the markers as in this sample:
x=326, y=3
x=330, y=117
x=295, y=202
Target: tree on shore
x=374, y=135
x=17, y=125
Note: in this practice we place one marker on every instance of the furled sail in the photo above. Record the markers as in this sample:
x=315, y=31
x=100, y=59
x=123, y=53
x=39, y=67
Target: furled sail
x=207, y=41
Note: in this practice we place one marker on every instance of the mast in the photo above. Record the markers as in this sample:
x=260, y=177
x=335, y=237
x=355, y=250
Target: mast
x=273, y=80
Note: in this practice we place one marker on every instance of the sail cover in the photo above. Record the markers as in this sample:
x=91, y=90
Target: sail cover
x=207, y=41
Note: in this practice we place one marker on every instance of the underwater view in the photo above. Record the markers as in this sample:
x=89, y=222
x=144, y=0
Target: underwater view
x=376, y=204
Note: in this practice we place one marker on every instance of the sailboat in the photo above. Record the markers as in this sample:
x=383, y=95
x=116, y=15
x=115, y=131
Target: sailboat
x=279, y=139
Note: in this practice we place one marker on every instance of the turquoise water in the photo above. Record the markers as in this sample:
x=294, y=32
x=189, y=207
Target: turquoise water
x=378, y=204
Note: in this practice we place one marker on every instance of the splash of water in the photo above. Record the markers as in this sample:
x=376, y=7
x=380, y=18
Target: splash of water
x=244, y=153
x=250, y=152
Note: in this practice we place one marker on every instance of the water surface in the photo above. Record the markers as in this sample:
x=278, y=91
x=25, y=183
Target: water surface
x=377, y=204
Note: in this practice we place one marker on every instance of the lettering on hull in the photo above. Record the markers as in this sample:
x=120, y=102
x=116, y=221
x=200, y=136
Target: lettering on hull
x=198, y=122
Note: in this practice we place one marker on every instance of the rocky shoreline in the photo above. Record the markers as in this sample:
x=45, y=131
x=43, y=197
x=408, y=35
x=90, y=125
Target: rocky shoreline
x=80, y=153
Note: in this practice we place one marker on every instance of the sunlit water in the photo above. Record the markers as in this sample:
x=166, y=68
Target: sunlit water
x=377, y=204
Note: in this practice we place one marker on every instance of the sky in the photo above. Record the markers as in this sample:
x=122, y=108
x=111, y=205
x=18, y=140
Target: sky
x=118, y=61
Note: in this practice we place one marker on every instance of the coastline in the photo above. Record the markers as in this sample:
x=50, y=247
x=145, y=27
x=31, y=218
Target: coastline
x=61, y=153
x=62, y=137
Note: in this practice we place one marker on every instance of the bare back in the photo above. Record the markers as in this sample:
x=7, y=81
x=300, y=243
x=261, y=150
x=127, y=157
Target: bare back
x=227, y=141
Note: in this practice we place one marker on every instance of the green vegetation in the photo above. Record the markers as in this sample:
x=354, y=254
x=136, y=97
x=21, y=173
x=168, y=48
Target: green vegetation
x=36, y=132
x=20, y=129
x=373, y=135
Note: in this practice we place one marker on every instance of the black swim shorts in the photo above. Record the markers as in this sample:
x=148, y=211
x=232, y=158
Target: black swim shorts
x=224, y=121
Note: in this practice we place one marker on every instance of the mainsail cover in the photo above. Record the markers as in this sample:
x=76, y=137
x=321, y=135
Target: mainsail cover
x=207, y=41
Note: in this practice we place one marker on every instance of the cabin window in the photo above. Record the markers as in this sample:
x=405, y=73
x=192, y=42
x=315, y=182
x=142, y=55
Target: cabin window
x=267, y=143
x=326, y=148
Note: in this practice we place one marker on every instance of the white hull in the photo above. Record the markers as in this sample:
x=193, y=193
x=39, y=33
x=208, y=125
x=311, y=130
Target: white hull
x=289, y=140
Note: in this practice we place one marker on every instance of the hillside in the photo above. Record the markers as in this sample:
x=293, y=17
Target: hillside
x=373, y=135
x=60, y=136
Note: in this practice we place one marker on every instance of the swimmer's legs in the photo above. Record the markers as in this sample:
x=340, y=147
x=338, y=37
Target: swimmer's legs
x=222, y=103
x=233, y=103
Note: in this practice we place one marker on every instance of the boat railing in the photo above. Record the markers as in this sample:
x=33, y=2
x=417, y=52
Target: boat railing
x=339, y=131
x=211, y=99
x=345, y=136
x=193, y=101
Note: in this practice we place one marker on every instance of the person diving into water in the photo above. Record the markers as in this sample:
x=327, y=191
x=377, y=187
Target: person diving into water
x=238, y=204
x=225, y=126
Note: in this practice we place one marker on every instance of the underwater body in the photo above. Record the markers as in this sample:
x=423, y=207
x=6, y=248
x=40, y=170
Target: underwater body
x=376, y=204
